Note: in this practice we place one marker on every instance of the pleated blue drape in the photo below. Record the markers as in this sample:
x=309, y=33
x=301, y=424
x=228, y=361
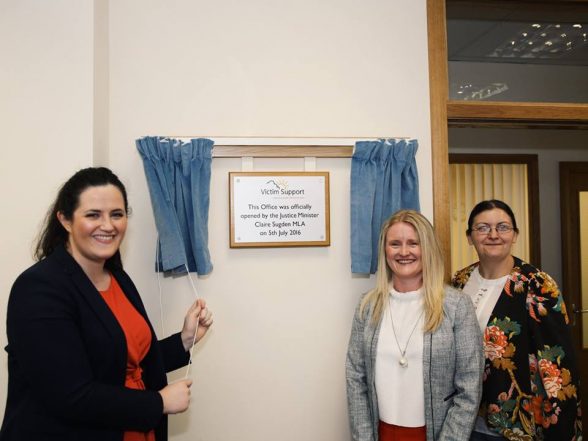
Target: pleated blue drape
x=178, y=176
x=384, y=179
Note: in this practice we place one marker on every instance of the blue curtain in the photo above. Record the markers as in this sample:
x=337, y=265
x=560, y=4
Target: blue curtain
x=384, y=179
x=178, y=176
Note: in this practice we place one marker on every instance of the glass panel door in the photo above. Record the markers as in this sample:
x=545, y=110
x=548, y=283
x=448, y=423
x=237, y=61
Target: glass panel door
x=514, y=51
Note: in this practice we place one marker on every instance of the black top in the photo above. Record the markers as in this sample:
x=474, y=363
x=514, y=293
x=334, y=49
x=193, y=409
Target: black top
x=67, y=360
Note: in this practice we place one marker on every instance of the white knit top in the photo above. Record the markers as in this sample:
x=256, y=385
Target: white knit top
x=484, y=294
x=400, y=390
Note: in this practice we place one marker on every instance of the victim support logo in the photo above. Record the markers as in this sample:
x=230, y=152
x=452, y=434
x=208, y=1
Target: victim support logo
x=280, y=187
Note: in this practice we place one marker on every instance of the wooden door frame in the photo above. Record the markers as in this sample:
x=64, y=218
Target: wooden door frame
x=439, y=96
x=570, y=236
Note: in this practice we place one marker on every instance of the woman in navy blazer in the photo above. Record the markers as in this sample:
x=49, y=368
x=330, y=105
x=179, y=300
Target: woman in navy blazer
x=67, y=352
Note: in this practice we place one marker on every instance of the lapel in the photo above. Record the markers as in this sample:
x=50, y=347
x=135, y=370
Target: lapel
x=132, y=294
x=88, y=292
x=129, y=290
x=512, y=302
x=427, y=349
x=372, y=337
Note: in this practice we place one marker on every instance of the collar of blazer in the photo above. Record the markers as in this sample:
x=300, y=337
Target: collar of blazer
x=91, y=295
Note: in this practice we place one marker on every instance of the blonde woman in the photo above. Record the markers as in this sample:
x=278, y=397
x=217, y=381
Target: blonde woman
x=414, y=362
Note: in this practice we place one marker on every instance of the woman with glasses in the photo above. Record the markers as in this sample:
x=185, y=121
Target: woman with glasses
x=530, y=389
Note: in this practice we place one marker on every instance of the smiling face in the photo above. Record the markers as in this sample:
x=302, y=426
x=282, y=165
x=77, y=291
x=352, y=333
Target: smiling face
x=494, y=246
x=403, y=256
x=97, y=226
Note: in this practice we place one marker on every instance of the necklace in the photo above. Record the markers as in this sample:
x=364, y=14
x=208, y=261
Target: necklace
x=479, y=295
x=403, y=362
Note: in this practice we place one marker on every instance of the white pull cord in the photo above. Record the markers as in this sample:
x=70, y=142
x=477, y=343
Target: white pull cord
x=161, y=305
x=197, y=323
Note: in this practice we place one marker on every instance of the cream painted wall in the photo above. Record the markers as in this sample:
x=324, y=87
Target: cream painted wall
x=45, y=120
x=273, y=366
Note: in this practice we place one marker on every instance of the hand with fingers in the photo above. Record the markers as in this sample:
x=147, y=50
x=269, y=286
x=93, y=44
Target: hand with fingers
x=176, y=396
x=197, y=321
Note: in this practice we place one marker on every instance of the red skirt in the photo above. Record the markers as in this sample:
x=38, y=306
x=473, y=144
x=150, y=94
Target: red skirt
x=390, y=432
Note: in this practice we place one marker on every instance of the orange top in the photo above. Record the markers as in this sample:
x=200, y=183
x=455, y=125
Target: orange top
x=138, y=336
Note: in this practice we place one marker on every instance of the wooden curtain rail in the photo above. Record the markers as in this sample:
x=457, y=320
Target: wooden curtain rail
x=282, y=151
x=297, y=146
x=227, y=137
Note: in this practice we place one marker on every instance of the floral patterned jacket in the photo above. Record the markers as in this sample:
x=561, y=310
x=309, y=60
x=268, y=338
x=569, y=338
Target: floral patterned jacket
x=530, y=389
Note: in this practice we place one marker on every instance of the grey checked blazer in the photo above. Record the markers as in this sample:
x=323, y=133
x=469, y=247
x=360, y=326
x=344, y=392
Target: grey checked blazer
x=452, y=375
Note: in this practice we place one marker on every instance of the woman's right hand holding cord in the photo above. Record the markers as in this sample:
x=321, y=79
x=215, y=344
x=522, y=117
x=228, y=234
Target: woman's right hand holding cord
x=176, y=396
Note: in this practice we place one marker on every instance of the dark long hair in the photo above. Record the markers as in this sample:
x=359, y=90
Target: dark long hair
x=490, y=205
x=53, y=234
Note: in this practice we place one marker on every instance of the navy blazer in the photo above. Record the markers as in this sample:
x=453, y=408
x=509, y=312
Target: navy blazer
x=67, y=358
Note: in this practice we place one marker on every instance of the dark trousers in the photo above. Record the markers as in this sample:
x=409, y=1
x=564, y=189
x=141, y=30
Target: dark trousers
x=477, y=436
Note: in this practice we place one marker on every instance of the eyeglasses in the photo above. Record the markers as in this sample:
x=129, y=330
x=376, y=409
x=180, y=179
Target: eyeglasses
x=500, y=228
